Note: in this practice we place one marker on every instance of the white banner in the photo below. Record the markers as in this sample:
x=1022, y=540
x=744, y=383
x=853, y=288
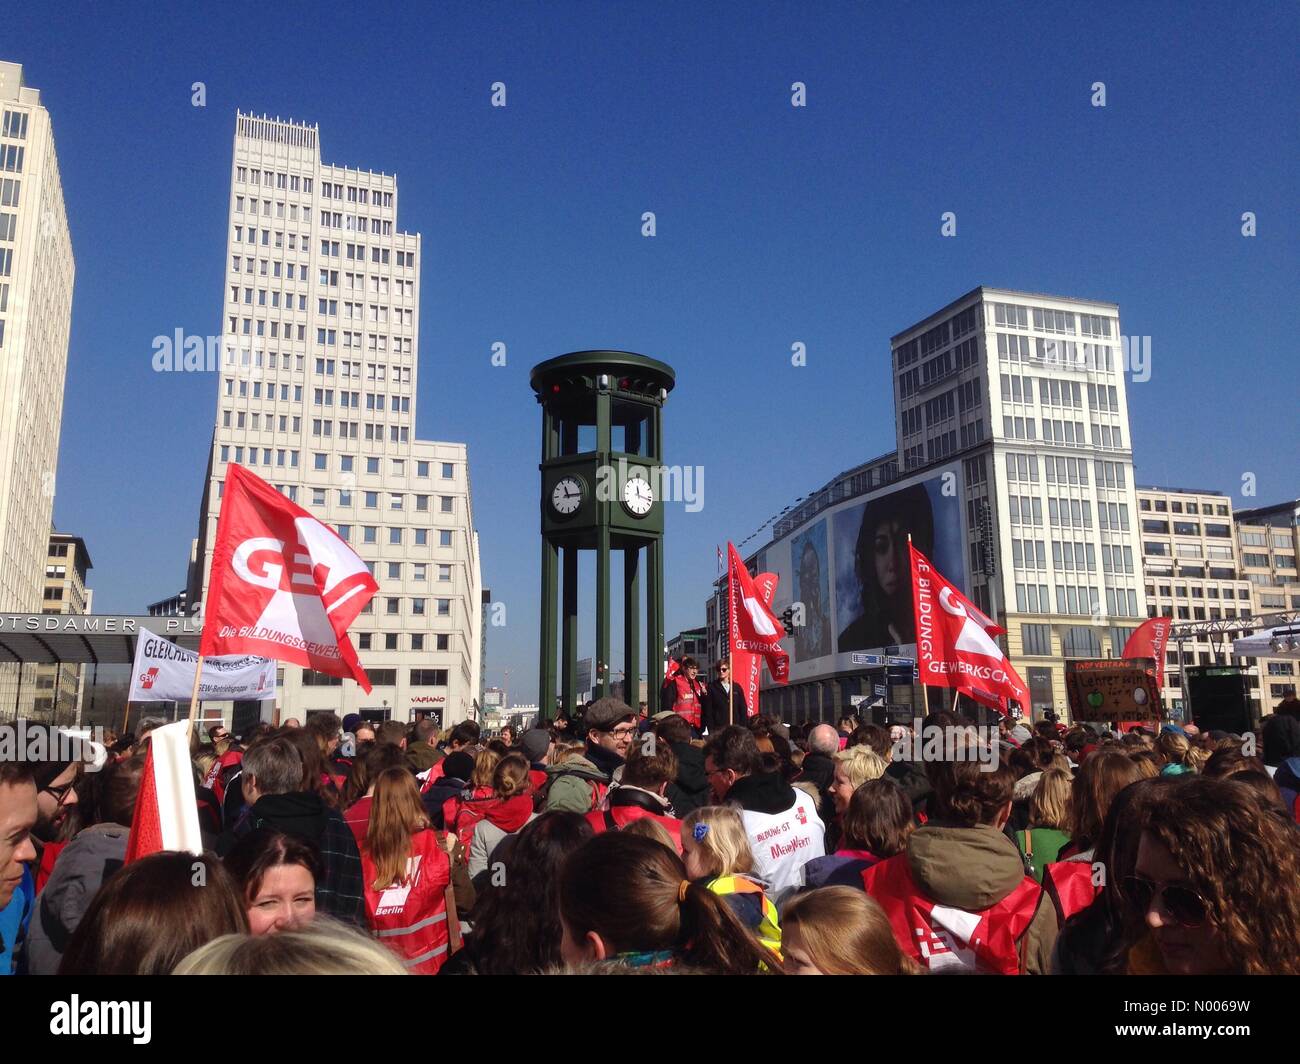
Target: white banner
x=164, y=672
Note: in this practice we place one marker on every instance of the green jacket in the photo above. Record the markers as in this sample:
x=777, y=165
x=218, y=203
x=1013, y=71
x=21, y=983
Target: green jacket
x=422, y=757
x=568, y=786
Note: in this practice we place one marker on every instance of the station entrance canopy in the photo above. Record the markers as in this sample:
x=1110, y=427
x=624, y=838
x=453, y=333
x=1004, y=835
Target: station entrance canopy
x=86, y=639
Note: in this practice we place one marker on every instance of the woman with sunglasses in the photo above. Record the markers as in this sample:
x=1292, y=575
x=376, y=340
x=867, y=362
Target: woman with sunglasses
x=1216, y=884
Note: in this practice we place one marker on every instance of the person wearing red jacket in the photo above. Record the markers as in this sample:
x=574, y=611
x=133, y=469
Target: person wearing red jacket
x=651, y=766
x=957, y=896
x=407, y=875
x=685, y=695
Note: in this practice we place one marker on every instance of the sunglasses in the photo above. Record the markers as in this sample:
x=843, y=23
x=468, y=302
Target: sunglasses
x=1182, y=903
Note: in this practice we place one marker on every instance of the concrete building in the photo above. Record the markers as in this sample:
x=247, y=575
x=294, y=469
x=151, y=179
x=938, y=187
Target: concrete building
x=1192, y=571
x=59, y=688
x=316, y=394
x=1268, y=539
x=1014, y=464
x=36, y=279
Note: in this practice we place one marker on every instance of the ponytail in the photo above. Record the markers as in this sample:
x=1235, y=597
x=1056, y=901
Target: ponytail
x=715, y=939
x=634, y=894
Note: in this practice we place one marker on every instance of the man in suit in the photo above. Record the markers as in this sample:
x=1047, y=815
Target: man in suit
x=716, y=713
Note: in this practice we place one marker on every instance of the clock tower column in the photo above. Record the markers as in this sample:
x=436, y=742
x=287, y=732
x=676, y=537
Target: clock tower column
x=602, y=453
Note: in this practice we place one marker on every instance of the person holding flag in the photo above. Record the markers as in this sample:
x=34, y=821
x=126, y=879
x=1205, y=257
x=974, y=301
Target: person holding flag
x=684, y=694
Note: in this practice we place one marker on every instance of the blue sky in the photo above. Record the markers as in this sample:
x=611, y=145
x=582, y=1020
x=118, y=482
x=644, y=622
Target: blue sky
x=775, y=224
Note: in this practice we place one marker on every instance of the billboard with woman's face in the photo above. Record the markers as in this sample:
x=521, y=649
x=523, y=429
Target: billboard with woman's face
x=849, y=571
x=811, y=571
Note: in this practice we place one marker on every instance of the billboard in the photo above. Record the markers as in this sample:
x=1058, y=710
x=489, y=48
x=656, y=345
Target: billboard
x=848, y=570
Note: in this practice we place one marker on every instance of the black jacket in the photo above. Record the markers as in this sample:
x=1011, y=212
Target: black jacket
x=435, y=797
x=763, y=792
x=340, y=891
x=819, y=770
x=912, y=778
x=715, y=715
x=691, y=788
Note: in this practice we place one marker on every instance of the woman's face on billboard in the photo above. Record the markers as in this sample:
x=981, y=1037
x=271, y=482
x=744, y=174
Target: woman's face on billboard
x=888, y=551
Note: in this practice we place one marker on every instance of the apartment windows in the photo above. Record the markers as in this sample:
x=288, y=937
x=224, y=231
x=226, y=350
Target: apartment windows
x=446, y=504
x=15, y=125
x=372, y=465
x=417, y=607
x=392, y=606
x=11, y=158
x=1010, y=316
x=395, y=537
x=1032, y=598
x=9, y=189
x=444, y=537
x=443, y=607
x=1094, y=325
x=369, y=534
x=1053, y=321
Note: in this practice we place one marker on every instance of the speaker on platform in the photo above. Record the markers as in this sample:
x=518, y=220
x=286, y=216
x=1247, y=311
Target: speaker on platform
x=1219, y=697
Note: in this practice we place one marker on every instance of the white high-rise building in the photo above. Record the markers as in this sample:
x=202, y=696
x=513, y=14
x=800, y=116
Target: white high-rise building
x=317, y=395
x=1029, y=391
x=36, y=277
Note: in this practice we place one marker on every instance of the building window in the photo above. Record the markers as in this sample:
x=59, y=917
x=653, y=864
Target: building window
x=1037, y=639
x=428, y=677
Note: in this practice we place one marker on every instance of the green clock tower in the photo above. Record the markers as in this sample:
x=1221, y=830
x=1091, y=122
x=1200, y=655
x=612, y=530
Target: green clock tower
x=602, y=452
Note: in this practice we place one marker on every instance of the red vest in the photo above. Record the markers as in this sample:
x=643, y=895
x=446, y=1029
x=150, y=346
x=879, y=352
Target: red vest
x=1069, y=885
x=537, y=777
x=686, y=699
x=410, y=917
x=940, y=936
x=623, y=815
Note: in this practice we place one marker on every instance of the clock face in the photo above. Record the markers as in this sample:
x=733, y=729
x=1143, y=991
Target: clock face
x=637, y=496
x=566, y=496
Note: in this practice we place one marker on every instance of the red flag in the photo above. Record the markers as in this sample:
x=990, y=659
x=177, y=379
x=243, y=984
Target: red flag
x=1149, y=642
x=747, y=667
x=283, y=585
x=719, y=550
x=755, y=629
x=166, y=813
x=953, y=649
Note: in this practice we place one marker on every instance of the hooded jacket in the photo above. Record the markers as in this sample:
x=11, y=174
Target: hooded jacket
x=570, y=786
x=691, y=788
x=340, y=891
x=628, y=803
x=83, y=866
x=972, y=870
x=499, y=822
x=784, y=830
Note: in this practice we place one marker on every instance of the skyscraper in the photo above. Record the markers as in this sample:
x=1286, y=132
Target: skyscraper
x=36, y=276
x=317, y=395
x=1029, y=391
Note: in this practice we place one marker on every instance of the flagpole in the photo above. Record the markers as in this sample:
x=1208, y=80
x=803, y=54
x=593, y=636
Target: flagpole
x=731, y=712
x=194, y=695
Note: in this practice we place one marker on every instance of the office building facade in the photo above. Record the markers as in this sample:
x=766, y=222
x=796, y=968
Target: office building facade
x=317, y=389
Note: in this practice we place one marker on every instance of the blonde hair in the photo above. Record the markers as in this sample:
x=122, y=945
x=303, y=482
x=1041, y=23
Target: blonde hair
x=651, y=829
x=724, y=845
x=485, y=765
x=323, y=947
x=1049, y=806
x=396, y=813
x=861, y=764
x=1174, y=749
x=844, y=931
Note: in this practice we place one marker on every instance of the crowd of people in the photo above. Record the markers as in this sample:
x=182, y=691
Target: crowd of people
x=619, y=841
